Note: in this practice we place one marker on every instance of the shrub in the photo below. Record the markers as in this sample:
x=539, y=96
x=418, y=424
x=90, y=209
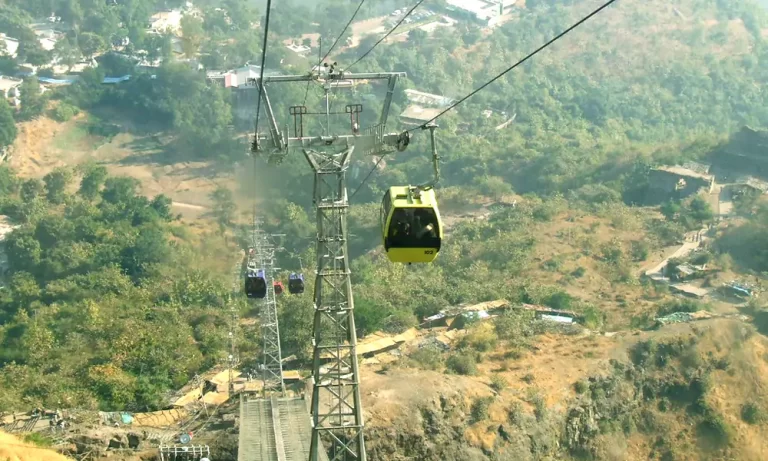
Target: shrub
x=516, y=414
x=462, y=364
x=498, y=383
x=428, y=358
x=481, y=338
x=751, y=413
x=64, y=112
x=580, y=387
x=479, y=409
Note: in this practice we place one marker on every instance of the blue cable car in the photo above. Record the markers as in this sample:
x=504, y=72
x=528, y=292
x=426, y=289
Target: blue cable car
x=296, y=283
x=255, y=283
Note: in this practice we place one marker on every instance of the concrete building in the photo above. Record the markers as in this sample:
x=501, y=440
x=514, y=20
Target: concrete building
x=417, y=115
x=301, y=50
x=487, y=12
x=428, y=99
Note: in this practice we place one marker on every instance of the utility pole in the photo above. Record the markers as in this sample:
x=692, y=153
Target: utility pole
x=264, y=257
x=336, y=408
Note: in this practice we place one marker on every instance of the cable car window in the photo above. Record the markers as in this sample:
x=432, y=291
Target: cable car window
x=414, y=228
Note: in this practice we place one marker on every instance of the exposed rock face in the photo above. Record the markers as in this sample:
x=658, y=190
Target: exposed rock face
x=436, y=432
x=118, y=441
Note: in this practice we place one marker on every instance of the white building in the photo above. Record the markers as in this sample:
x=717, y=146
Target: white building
x=301, y=50
x=11, y=45
x=486, y=11
x=427, y=99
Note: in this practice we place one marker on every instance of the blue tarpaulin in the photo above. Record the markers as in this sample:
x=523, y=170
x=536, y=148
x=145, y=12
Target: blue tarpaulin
x=55, y=81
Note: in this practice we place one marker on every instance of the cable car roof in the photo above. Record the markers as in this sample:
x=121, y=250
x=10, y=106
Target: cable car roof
x=402, y=196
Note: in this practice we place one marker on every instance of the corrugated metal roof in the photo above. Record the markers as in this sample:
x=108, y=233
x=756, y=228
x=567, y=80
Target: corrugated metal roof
x=223, y=377
x=215, y=398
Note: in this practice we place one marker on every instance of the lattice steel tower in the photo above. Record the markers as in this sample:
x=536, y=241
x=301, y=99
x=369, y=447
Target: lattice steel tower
x=264, y=256
x=336, y=408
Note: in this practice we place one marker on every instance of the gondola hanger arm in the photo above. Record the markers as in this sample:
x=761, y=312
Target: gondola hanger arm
x=432, y=126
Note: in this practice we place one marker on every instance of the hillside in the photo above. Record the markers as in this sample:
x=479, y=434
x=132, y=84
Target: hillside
x=13, y=449
x=133, y=201
x=670, y=394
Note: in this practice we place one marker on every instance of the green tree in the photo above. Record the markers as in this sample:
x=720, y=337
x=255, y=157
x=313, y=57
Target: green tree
x=9, y=183
x=223, y=206
x=119, y=190
x=203, y=120
x=90, y=44
x=24, y=289
x=67, y=53
x=495, y=186
x=56, y=183
x=162, y=205
x=193, y=35
x=31, y=189
x=7, y=124
x=93, y=178
x=31, y=51
x=150, y=248
x=32, y=99
x=700, y=210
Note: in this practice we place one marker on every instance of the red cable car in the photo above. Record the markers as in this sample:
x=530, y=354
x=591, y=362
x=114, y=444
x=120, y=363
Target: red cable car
x=278, y=288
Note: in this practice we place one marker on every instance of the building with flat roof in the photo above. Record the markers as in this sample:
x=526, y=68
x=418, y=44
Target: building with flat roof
x=301, y=50
x=428, y=99
x=486, y=11
x=417, y=115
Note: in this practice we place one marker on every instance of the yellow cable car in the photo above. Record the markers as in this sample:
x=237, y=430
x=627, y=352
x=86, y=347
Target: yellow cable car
x=411, y=225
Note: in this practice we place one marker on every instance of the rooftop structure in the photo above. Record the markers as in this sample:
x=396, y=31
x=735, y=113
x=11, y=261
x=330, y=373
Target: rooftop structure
x=486, y=11
x=417, y=115
x=299, y=49
x=427, y=99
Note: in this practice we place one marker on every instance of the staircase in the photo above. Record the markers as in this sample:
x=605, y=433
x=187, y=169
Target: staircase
x=257, y=433
x=296, y=429
x=275, y=430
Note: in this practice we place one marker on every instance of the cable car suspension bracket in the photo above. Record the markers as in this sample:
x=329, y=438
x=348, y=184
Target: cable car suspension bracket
x=435, y=158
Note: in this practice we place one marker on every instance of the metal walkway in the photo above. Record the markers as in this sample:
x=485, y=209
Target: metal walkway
x=274, y=430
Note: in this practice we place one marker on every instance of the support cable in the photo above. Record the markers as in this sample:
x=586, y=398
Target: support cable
x=385, y=35
x=343, y=30
x=366, y=177
x=261, y=71
x=258, y=102
x=532, y=54
x=518, y=63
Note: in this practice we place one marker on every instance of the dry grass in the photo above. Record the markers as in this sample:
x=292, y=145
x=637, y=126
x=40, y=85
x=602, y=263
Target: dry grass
x=13, y=449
